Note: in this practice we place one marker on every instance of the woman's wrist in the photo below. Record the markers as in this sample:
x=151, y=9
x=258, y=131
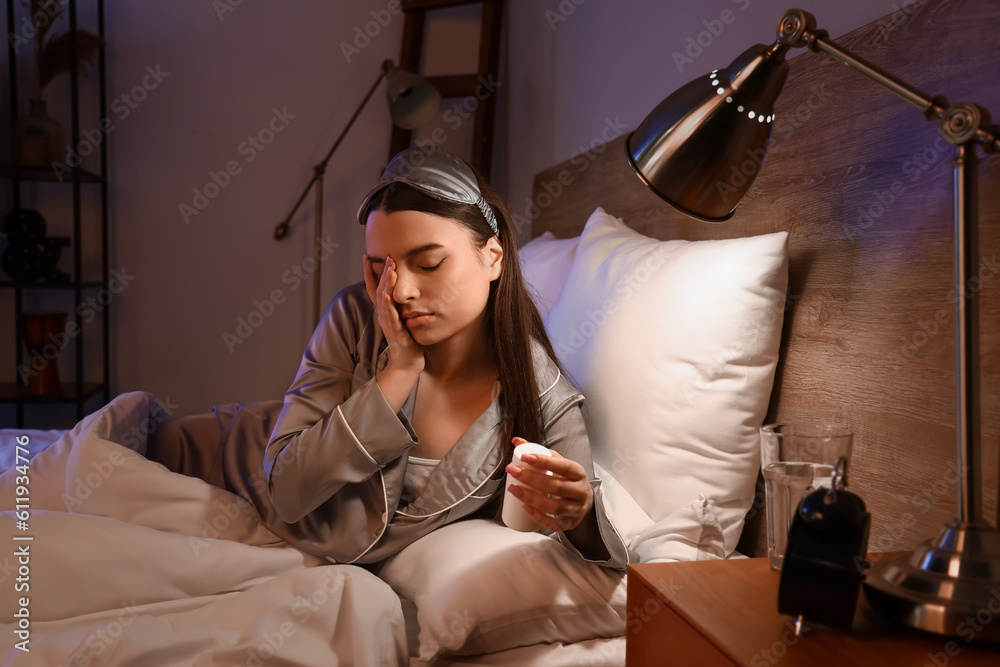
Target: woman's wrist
x=586, y=537
x=396, y=384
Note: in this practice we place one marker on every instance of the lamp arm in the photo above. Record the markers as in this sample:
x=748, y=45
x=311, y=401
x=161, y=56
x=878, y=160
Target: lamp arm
x=281, y=230
x=960, y=123
x=964, y=125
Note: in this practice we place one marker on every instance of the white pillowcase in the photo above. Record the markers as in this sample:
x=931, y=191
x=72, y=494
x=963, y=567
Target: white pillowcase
x=674, y=344
x=481, y=587
x=691, y=533
x=545, y=261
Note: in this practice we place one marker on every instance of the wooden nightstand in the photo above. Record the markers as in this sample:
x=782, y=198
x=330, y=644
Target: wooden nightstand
x=725, y=612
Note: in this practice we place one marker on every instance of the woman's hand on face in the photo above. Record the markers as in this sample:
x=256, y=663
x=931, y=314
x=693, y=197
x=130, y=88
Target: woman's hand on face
x=563, y=499
x=404, y=352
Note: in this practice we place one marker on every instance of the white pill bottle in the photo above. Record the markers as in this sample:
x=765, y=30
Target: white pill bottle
x=513, y=514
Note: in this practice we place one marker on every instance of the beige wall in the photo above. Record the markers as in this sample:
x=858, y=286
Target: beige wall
x=574, y=72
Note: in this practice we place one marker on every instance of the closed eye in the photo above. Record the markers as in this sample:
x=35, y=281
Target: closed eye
x=432, y=268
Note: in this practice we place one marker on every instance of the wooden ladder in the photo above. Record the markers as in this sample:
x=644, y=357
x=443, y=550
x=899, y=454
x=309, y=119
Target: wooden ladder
x=460, y=85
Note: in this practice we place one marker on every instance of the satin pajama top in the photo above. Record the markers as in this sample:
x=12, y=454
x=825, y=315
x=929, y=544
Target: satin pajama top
x=337, y=455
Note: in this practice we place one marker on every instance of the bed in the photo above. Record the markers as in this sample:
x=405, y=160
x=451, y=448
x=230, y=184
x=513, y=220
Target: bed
x=799, y=308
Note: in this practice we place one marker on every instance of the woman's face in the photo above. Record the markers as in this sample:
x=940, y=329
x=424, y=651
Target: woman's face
x=443, y=280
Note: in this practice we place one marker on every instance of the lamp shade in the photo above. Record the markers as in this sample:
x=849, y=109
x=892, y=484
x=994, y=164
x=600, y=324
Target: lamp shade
x=413, y=101
x=701, y=147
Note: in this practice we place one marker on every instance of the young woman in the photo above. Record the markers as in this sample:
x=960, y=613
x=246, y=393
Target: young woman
x=419, y=381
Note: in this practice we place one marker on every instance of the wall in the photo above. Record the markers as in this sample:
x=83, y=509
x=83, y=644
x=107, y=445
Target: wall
x=264, y=88
x=586, y=71
x=279, y=74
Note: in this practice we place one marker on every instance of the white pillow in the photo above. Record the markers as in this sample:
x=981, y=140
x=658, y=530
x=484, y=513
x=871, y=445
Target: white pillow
x=628, y=518
x=691, y=533
x=674, y=344
x=545, y=261
x=481, y=587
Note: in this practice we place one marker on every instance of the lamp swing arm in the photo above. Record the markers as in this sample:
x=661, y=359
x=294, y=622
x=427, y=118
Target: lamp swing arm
x=960, y=123
x=945, y=580
x=963, y=125
x=281, y=230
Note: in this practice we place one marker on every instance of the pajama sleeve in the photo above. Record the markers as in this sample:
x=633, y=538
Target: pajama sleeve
x=596, y=538
x=331, y=433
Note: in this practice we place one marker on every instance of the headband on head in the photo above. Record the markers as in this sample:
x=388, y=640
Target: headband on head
x=436, y=173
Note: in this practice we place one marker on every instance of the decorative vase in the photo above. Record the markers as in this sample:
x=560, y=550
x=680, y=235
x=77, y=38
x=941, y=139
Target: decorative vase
x=39, y=140
x=40, y=332
x=31, y=256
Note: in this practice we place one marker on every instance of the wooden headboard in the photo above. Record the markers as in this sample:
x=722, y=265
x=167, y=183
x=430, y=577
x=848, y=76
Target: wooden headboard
x=863, y=185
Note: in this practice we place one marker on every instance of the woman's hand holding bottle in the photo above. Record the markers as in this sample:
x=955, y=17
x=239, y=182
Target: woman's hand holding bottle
x=564, y=498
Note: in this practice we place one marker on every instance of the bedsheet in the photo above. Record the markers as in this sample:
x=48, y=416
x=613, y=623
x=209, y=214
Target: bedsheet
x=114, y=560
x=597, y=652
x=602, y=652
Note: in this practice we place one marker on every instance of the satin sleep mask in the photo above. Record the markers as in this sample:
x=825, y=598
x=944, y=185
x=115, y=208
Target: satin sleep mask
x=436, y=173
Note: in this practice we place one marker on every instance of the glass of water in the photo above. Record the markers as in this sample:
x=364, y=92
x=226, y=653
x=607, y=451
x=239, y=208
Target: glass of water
x=796, y=459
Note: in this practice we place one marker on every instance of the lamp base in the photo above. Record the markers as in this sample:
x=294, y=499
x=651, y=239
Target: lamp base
x=948, y=586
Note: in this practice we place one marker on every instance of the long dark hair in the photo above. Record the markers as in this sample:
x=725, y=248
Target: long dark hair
x=509, y=309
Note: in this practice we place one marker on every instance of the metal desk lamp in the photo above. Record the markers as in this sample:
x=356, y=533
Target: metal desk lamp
x=413, y=102
x=685, y=151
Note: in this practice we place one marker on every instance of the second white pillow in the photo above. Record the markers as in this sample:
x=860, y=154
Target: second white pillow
x=674, y=344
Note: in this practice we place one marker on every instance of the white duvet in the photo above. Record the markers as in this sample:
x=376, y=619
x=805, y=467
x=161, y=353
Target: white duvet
x=131, y=564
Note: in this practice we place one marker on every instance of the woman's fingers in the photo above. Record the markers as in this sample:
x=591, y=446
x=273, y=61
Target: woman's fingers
x=558, y=501
x=542, y=502
x=559, y=465
x=388, y=317
x=548, y=484
x=403, y=349
x=371, y=279
x=568, y=479
x=555, y=523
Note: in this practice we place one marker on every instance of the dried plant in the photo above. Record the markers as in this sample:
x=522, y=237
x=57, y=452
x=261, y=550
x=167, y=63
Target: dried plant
x=53, y=55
